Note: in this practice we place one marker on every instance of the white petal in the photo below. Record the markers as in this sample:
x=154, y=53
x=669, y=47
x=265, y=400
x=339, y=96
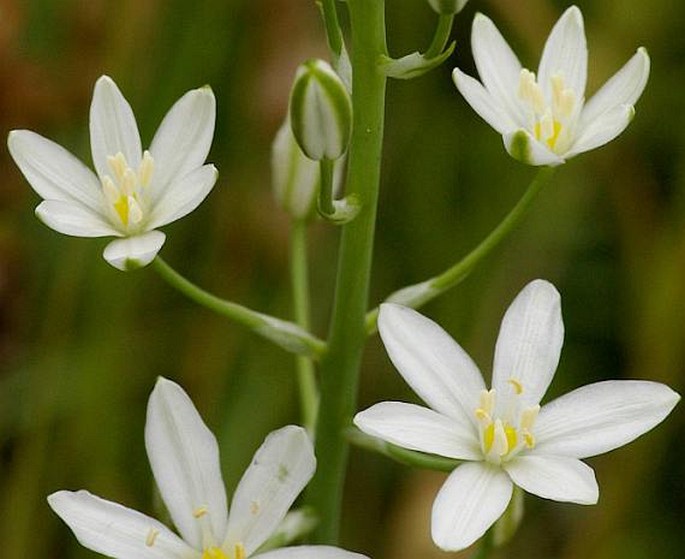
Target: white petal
x=600, y=417
x=280, y=469
x=183, y=195
x=521, y=145
x=567, y=480
x=565, y=53
x=310, y=552
x=184, y=137
x=529, y=344
x=624, y=88
x=419, y=428
x=474, y=496
x=483, y=102
x=498, y=67
x=116, y=531
x=72, y=219
x=184, y=456
x=431, y=362
x=602, y=130
x=131, y=253
x=53, y=172
x=113, y=127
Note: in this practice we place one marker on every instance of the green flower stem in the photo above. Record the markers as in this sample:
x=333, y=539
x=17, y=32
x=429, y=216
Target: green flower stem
x=339, y=368
x=334, y=34
x=285, y=334
x=441, y=36
x=418, y=294
x=399, y=454
x=326, y=207
x=309, y=394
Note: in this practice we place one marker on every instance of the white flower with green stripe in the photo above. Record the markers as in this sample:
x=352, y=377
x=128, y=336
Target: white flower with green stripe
x=184, y=456
x=503, y=434
x=543, y=117
x=132, y=192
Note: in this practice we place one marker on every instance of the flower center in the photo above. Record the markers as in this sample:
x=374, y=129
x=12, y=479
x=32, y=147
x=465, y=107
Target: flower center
x=503, y=437
x=218, y=553
x=550, y=120
x=124, y=190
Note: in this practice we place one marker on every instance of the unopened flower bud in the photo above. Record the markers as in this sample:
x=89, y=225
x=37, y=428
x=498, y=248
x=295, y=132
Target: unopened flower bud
x=447, y=7
x=320, y=111
x=296, y=179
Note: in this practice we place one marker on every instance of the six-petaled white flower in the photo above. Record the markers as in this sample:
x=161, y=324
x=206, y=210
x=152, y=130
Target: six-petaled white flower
x=503, y=434
x=543, y=118
x=133, y=192
x=184, y=457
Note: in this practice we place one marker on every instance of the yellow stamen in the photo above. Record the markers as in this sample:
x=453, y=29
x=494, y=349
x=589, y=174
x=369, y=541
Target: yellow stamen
x=151, y=537
x=488, y=437
x=512, y=438
x=482, y=415
x=214, y=553
x=529, y=439
x=239, y=551
x=199, y=512
x=121, y=207
x=518, y=387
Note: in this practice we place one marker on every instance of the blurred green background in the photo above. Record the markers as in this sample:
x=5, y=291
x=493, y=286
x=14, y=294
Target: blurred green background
x=82, y=343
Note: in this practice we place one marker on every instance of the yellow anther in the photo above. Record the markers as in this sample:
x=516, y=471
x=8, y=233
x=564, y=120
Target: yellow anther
x=482, y=415
x=151, y=537
x=516, y=384
x=512, y=438
x=239, y=551
x=529, y=439
x=488, y=437
x=199, y=512
x=121, y=207
x=214, y=553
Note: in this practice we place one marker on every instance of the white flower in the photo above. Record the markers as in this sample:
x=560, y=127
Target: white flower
x=544, y=119
x=134, y=191
x=184, y=457
x=503, y=434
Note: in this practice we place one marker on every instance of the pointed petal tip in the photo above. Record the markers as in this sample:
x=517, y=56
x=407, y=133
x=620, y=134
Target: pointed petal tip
x=575, y=13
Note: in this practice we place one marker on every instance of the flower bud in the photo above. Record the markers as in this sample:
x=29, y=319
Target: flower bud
x=320, y=111
x=447, y=7
x=296, y=179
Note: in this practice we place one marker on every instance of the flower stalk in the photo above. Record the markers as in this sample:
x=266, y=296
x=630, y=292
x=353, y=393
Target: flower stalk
x=284, y=334
x=419, y=294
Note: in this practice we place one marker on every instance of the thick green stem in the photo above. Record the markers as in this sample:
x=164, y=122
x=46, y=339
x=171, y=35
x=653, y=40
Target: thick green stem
x=309, y=395
x=339, y=368
x=419, y=294
x=285, y=334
